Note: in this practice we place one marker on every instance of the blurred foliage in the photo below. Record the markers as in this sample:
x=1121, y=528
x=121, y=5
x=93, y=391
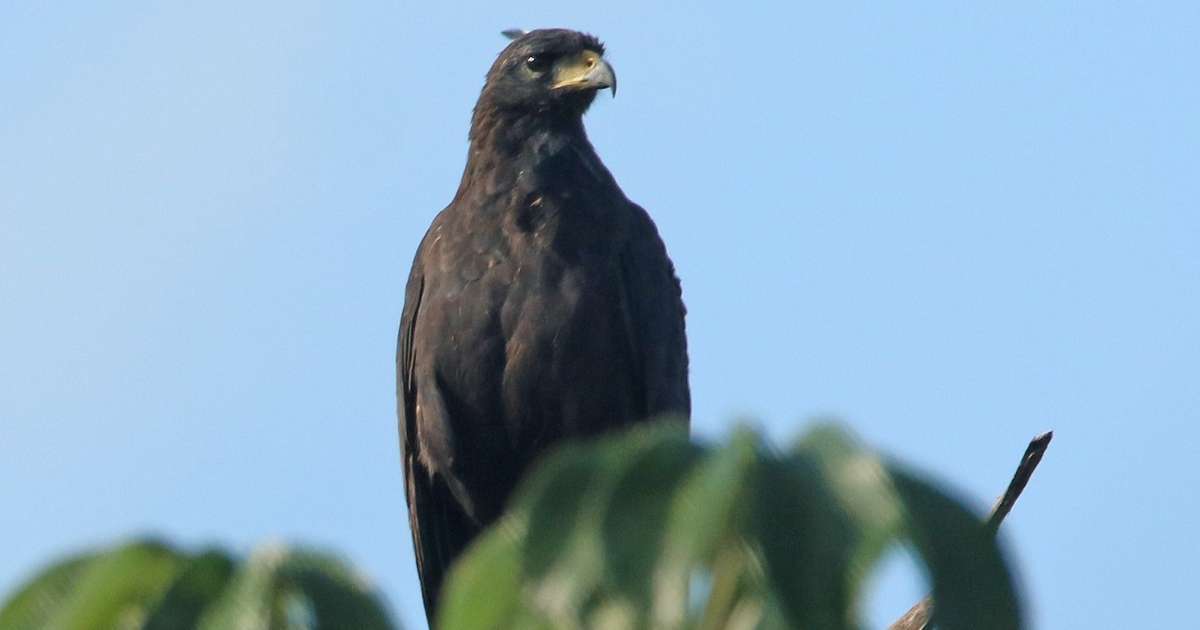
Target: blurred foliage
x=648, y=529
x=147, y=585
x=651, y=530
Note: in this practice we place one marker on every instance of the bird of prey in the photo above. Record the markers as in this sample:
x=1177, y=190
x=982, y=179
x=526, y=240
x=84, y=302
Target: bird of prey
x=541, y=304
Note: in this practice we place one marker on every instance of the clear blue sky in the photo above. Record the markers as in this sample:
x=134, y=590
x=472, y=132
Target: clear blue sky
x=954, y=227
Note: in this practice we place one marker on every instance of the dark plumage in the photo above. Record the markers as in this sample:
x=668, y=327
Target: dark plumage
x=541, y=304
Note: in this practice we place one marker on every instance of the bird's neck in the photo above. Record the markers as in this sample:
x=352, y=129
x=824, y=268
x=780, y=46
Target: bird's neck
x=509, y=147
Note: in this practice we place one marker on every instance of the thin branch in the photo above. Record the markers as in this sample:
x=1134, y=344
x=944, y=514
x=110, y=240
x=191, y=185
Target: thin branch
x=917, y=617
x=1029, y=462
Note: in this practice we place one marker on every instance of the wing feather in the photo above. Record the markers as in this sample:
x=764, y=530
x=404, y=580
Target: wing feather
x=438, y=529
x=654, y=316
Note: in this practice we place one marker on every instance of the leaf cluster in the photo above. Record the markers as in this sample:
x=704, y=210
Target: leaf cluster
x=652, y=530
x=148, y=585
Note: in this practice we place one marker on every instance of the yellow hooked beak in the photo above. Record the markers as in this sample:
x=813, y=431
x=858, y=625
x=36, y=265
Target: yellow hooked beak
x=585, y=71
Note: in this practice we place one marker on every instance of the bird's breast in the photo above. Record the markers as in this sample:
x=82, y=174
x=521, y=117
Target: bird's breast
x=566, y=365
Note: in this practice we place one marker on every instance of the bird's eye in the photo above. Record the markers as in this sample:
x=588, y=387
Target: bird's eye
x=538, y=63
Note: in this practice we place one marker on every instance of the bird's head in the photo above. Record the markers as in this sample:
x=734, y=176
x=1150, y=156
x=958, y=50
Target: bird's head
x=551, y=71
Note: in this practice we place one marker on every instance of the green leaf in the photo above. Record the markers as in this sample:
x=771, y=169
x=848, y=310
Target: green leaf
x=707, y=509
x=865, y=510
x=972, y=588
x=149, y=586
x=483, y=590
x=566, y=566
x=119, y=589
x=636, y=519
x=198, y=585
x=711, y=500
x=648, y=529
x=807, y=543
x=249, y=599
x=325, y=587
x=37, y=602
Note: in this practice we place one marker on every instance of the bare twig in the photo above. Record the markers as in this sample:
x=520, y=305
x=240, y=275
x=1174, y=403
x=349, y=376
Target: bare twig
x=917, y=617
x=1029, y=461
